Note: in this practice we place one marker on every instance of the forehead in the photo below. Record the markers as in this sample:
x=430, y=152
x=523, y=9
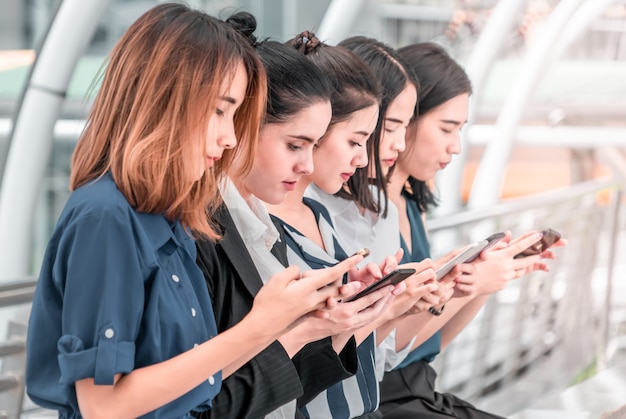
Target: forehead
x=403, y=105
x=363, y=120
x=234, y=86
x=454, y=109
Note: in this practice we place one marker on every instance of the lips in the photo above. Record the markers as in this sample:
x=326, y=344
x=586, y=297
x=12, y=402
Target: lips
x=389, y=162
x=346, y=176
x=290, y=185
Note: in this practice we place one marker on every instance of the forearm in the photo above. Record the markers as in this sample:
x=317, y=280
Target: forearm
x=144, y=389
x=266, y=382
x=461, y=319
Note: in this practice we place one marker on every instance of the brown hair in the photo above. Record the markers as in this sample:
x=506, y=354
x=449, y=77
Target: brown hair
x=158, y=94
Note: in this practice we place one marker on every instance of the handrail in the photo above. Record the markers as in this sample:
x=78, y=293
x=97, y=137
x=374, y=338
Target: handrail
x=525, y=203
x=17, y=292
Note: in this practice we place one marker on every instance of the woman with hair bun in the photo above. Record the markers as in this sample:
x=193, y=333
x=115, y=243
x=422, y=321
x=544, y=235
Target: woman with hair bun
x=311, y=356
x=311, y=238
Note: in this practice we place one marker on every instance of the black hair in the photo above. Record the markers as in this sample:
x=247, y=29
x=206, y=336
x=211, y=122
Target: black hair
x=394, y=78
x=355, y=87
x=293, y=82
x=441, y=78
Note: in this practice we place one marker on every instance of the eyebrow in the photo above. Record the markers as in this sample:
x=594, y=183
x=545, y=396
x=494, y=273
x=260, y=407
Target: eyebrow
x=302, y=137
x=363, y=133
x=451, y=121
x=228, y=99
x=396, y=120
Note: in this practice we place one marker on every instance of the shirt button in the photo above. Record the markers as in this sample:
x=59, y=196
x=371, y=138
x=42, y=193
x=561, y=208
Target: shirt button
x=195, y=345
x=193, y=312
x=175, y=278
x=211, y=380
x=109, y=333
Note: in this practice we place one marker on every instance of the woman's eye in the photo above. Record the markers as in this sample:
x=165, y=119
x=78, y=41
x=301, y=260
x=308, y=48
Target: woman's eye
x=389, y=130
x=294, y=147
x=219, y=112
x=355, y=144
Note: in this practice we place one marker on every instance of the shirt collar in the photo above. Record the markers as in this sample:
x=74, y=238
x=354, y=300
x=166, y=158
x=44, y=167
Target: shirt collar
x=250, y=216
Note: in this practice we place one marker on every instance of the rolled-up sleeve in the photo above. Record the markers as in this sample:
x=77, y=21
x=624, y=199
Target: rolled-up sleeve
x=100, y=274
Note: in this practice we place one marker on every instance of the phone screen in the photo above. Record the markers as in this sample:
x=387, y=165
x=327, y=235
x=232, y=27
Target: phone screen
x=392, y=278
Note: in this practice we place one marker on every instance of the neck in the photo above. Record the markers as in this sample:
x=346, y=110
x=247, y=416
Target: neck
x=243, y=191
x=396, y=184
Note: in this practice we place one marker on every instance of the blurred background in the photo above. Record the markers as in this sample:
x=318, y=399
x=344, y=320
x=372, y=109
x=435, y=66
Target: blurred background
x=545, y=147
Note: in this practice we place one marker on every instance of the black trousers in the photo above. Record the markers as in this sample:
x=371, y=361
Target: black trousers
x=409, y=392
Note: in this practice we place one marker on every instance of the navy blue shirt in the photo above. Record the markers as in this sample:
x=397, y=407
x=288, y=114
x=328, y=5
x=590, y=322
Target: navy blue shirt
x=420, y=250
x=118, y=290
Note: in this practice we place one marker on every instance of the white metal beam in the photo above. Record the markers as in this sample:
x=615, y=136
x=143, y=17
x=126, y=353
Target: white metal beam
x=487, y=184
x=339, y=20
x=30, y=145
x=479, y=65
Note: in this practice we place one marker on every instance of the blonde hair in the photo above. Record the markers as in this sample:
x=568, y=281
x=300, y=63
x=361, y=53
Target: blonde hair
x=159, y=91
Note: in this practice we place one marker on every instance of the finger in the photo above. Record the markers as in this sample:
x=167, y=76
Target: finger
x=373, y=270
x=350, y=288
x=389, y=264
x=319, y=278
x=361, y=303
x=522, y=243
x=399, y=254
x=399, y=288
x=560, y=243
x=320, y=314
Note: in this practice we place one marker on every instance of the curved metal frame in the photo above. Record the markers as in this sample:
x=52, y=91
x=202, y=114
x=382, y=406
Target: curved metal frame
x=478, y=68
x=488, y=181
x=31, y=141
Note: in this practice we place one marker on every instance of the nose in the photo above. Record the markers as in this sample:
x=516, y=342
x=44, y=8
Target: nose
x=455, y=146
x=305, y=165
x=227, y=137
x=399, y=144
x=360, y=159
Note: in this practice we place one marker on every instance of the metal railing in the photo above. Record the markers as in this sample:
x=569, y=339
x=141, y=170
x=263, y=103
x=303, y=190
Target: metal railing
x=535, y=336
x=13, y=295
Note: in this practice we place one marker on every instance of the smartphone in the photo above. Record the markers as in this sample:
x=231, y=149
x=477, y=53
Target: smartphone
x=392, y=278
x=473, y=250
x=491, y=241
x=548, y=239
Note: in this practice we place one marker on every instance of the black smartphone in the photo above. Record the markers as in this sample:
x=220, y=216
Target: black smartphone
x=548, y=238
x=392, y=278
x=473, y=250
x=491, y=241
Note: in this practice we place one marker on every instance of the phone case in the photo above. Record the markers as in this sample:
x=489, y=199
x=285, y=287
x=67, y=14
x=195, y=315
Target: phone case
x=392, y=278
x=548, y=239
x=462, y=257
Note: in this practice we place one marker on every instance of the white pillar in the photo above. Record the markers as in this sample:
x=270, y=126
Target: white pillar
x=31, y=141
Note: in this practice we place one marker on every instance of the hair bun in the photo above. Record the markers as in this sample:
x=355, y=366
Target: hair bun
x=305, y=42
x=245, y=24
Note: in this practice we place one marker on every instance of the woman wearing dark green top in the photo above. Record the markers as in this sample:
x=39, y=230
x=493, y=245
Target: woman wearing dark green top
x=432, y=138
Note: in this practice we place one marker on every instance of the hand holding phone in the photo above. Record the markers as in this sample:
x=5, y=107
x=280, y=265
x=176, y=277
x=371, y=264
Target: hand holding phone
x=392, y=278
x=472, y=251
x=548, y=238
x=491, y=241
